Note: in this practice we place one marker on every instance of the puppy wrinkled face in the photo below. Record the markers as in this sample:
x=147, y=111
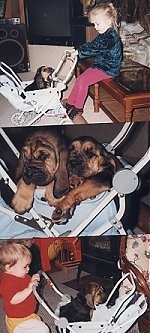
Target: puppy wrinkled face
x=85, y=159
x=40, y=163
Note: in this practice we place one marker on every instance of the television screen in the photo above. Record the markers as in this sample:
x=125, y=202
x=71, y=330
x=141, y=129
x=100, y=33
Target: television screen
x=53, y=21
x=48, y=17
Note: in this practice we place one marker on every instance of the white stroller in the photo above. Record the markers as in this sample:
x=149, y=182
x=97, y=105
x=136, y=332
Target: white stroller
x=94, y=215
x=32, y=105
x=116, y=319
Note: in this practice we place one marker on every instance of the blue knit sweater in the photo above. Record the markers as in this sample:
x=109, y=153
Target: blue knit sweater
x=106, y=48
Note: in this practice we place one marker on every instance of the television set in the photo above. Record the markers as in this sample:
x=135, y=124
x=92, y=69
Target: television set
x=53, y=21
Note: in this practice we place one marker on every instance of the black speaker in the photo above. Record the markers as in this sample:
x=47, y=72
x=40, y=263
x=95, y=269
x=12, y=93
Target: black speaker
x=13, y=48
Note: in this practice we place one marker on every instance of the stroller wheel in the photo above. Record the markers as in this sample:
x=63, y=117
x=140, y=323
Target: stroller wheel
x=16, y=120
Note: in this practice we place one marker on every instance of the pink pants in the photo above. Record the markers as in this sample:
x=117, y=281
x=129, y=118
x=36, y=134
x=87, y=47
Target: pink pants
x=79, y=92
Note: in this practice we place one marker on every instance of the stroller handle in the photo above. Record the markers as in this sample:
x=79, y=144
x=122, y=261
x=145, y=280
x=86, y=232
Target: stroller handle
x=58, y=321
x=67, y=56
x=10, y=73
x=49, y=283
x=40, y=300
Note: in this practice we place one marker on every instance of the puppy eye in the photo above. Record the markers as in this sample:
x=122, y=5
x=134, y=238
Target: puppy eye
x=90, y=153
x=42, y=156
x=71, y=148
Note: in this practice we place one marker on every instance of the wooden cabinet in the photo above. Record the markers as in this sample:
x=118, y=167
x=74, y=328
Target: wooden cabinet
x=91, y=33
x=15, y=9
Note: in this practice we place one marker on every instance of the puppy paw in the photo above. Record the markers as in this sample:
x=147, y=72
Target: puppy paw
x=52, y=201
x=61, y=216
x=65, y=208
x=21, y=204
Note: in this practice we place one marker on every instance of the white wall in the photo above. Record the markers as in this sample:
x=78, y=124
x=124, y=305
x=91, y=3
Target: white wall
x=47, y=55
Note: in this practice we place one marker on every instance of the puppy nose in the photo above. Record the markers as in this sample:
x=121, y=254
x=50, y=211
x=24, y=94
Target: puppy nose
x=32, y=172
x=29, y=171
x=73, y=162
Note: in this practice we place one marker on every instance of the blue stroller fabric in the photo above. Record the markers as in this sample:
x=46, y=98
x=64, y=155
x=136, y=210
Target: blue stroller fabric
x=9, y=228
x=81, y=211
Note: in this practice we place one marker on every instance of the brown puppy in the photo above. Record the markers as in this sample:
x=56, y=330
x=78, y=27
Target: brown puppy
x=42, y=163
x=82, y=306
x=42, y=79
x=91, y=169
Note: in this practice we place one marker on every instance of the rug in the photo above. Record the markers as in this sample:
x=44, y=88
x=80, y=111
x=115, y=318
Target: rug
x=106, y=283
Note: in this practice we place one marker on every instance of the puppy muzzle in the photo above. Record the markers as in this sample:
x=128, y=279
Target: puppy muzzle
x=77, y=164
x=36, y=174
x=101, y=296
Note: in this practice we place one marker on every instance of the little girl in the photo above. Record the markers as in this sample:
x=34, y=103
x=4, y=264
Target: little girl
x=106, y=48
x=16, y=290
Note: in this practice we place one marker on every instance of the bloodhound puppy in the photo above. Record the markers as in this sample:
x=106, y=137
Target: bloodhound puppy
x=42, y=79
x=42, y=163
x=82, y=306
x=91, y=169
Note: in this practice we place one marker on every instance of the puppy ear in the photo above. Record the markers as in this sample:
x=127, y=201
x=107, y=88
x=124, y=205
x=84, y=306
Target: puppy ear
x=90, y=301
x=110, y=159
x=61, y=181
x=20, y=166
x=39, y=70
x=38, y=78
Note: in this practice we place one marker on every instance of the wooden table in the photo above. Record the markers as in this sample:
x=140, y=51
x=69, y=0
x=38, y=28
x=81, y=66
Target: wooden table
x=131, y=88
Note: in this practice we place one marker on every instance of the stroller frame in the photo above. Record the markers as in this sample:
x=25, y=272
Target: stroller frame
x=43, y=101
x=118, y=189
x=121, y=319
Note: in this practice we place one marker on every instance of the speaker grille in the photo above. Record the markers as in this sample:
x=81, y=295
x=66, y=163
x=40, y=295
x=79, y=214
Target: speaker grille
x=13, y=50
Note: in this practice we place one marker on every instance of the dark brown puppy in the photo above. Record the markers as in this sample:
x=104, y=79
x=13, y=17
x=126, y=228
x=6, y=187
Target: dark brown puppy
x=42, y=163
x=42, y=79
x=82, y=306
x=91, y=169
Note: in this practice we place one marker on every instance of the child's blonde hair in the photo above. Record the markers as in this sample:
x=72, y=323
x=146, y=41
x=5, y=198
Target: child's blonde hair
x=108, y=9
x=10, y=253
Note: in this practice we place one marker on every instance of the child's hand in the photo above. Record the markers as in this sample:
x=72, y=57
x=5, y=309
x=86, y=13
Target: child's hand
x=34, y=280
x=74, y=53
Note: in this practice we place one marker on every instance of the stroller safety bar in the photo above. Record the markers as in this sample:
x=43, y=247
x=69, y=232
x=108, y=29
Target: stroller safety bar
x=119, y=318
x=122, y=135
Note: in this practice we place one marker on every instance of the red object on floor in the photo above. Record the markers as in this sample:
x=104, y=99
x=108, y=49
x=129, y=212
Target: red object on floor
x=44, y=243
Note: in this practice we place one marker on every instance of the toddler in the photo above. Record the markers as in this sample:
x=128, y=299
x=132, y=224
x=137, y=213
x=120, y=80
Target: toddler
x=16, y=285
x=106, y=49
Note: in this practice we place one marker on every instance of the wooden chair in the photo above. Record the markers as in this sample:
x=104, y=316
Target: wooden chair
x=142, y=286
